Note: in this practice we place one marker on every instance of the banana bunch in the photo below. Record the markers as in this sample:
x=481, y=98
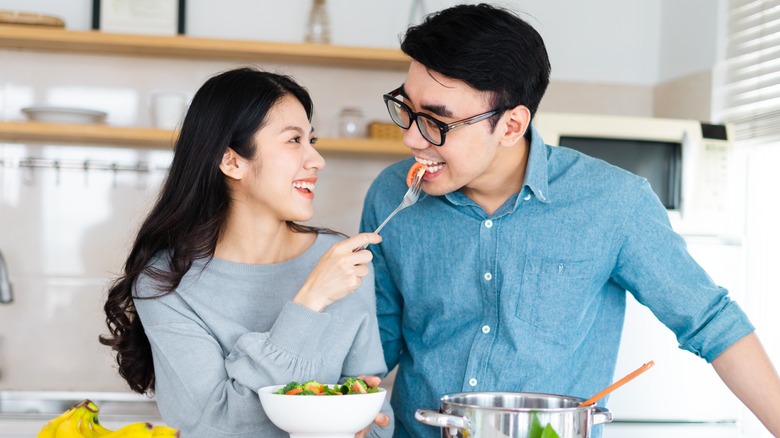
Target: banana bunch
x=81, y=421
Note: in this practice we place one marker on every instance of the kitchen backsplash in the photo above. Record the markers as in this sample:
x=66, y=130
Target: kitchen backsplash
x=65, y=233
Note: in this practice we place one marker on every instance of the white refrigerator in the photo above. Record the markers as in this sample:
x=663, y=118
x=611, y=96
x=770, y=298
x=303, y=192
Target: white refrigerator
x=681, y=395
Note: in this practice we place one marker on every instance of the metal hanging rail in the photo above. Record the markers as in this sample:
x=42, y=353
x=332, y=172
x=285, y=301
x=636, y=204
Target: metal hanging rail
x=85, y=165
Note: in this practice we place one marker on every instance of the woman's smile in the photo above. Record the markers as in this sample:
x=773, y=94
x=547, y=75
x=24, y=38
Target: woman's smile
x=305, y=186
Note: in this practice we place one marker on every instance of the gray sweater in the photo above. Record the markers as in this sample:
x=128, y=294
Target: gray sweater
x=231, y=328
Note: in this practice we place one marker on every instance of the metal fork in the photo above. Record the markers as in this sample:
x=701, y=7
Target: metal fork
x=410, y=197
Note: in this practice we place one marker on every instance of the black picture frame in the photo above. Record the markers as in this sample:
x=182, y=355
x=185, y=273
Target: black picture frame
x=180, y=15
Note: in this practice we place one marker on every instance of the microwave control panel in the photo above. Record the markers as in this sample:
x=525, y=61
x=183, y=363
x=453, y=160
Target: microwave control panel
x=712, y=176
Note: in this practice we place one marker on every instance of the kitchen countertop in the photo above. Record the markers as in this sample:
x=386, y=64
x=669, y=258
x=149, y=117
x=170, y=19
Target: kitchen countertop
x=23, y=413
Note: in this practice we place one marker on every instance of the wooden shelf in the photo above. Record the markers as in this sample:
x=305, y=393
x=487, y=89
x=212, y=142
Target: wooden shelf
x=62, y=133
x=96, y=42
x=183, y=47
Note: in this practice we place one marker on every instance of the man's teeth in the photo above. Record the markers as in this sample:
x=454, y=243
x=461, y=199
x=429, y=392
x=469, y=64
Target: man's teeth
x=431, y=166
x=304, y=185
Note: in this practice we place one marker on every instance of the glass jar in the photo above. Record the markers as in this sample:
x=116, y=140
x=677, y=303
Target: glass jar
x=318, y=27
x=351, y=123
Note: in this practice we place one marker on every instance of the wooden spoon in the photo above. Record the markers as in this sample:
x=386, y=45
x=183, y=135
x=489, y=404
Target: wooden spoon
x=616, y=385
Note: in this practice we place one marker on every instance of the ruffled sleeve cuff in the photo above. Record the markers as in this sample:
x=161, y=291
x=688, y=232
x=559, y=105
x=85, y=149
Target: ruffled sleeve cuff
x=299, y=329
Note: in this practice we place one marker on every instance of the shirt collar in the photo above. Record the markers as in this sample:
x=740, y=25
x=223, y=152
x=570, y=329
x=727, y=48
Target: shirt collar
x=536, y=177
x=535, y=174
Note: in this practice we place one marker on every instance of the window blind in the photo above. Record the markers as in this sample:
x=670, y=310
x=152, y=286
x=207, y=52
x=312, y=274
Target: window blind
x=746, y=93
x=747, y=82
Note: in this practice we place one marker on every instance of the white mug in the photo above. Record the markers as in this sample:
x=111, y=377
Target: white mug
x=168, y=109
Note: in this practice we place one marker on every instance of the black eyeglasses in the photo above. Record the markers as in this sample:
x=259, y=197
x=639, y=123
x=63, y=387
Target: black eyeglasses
x=431, y=129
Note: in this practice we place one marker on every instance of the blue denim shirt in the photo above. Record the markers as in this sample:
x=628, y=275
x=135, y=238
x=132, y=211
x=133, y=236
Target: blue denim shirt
x=531, y=298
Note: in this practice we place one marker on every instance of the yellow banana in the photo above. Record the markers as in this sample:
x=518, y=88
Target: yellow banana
x=97, y=429
x=165, y=431
x=71, y=428
x=85, y=426
x=50, y=428
x=134, y=430
x=81, y=421
x=90, y=425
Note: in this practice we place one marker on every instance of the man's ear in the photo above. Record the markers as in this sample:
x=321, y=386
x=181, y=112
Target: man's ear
x=517, y=120
x=232, y=164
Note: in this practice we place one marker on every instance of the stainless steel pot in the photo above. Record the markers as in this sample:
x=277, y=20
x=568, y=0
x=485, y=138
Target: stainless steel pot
x=512, y=414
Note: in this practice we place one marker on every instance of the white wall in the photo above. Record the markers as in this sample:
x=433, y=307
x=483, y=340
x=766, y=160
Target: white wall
x=599, y=41
x=689, y=37
x=641, y=42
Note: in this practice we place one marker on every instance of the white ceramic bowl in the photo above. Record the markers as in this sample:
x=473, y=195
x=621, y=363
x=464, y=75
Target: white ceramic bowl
x=332, y=416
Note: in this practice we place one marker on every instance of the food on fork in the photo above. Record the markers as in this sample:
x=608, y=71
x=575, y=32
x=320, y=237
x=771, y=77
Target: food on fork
x=413, y=171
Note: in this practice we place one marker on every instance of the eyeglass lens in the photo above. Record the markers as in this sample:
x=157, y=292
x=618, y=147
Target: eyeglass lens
x=403, y=118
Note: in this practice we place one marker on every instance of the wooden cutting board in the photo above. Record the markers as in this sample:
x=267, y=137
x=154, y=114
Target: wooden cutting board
x=30, y=19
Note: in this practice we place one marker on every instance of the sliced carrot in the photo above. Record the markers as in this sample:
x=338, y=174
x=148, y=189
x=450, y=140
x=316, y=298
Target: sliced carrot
x=294, y=391
x=412, y=172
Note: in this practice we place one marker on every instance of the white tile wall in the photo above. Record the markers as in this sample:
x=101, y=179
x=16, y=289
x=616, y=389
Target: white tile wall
x=65, y=234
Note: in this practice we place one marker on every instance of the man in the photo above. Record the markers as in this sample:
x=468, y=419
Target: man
x=510, y=273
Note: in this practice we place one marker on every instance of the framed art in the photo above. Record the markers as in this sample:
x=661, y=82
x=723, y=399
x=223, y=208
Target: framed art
x=152, y=17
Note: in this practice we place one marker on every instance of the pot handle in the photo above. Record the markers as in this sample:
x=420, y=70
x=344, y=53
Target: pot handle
x=601, y=415
x=437, y=419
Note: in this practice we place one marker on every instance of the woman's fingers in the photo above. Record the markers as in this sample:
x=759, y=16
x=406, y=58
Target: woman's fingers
x=361, y=270
x=382, y=420
x=339, y=272
x=361, y=240
x=371, y=381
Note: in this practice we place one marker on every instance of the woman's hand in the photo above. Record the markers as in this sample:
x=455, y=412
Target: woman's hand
x=381, y=419
x=338, y=273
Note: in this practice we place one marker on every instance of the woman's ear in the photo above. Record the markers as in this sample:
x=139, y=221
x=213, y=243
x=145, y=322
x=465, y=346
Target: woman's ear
x=516, y=123
x=232, y=164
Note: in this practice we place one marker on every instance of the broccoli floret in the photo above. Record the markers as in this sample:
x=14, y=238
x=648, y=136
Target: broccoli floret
x=327, y=390
x=310, y=384
x=288, y=387
x=348, y=387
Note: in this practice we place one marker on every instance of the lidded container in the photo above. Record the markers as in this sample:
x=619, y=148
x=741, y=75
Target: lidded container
x=351, y=123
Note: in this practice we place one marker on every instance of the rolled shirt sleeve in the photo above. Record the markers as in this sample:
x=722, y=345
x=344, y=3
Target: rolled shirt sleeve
x=655, y=266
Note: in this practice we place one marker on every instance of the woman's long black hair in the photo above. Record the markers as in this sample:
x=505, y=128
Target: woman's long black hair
x=191, y=210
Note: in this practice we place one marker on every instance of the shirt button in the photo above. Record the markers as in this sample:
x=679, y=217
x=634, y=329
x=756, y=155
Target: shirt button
x=488, y=276
x=473, y=382
x=527, y=197
x=488, y=223
x=486, y=329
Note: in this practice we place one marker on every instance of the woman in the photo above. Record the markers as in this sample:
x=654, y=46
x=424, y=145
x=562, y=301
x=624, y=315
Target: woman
x=223, y=292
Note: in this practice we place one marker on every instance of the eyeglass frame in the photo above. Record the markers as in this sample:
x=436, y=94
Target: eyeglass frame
x=444, y=128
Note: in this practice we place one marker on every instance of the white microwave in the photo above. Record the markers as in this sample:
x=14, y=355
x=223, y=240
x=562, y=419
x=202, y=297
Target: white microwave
x=688, y=163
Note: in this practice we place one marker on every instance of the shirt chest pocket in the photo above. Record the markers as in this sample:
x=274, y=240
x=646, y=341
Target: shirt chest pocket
x=554, y=297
